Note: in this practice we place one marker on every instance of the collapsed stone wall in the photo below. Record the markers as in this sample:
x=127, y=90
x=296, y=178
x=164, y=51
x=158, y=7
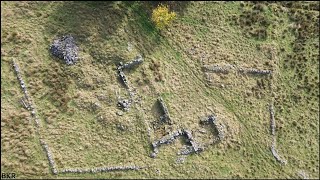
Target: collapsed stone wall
x=49, y=156
x=256, y=71
x=126, y=103
x=273, y=146
x=194, y=148
x=28, y=103
x=166, y=116
x=101, y=169
x=212, y=120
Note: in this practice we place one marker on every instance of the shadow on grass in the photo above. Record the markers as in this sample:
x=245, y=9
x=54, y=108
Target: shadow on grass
x=83, y=19
x=148, y=35
x=93, y=23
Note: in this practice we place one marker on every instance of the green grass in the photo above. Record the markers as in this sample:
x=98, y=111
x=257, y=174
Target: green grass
x=78, y=138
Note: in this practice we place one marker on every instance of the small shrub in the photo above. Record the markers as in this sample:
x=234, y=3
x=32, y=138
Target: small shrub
x=162, y=17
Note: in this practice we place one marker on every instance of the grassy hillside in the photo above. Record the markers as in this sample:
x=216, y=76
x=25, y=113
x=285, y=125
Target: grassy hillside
x=77, y=105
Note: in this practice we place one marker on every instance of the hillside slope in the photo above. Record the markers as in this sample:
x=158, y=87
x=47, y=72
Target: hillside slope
x=77, y=105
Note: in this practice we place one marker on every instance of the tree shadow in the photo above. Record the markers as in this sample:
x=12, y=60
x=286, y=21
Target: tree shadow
x=93, y=23
x=82, y=19
x=148, y=35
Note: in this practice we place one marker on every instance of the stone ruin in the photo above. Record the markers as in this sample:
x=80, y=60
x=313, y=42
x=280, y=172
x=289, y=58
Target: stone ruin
x=212, y=120
x=26, y=101
x=126, y=103
x=194, y=148
x=128, y=65
x=166, y=116
x=65, y=49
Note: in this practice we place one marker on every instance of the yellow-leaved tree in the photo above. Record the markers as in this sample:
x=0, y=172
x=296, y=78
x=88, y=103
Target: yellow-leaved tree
x=162, y=17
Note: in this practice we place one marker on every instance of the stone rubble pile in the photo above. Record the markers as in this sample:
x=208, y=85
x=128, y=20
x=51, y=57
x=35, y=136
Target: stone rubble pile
x=216, y=69
x=65, y=49
x=212, y=119
x=166, y=116
x=101, y=169
x=194, y=148
x=28, y=103
x=49, y=155
x=124, y=104
x=273, y=146
x=255, y=71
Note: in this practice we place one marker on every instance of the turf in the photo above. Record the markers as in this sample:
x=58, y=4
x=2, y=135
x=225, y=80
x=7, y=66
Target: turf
x=82, y=135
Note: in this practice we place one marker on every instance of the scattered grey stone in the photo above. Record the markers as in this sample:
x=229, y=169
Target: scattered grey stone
x=121, y=127
x=303, y=175
x=124, y=104
x=153, y=155
x=129, y=47
x=119, y=113
x=65, y=49
x=181, y=159
x=203, y=131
